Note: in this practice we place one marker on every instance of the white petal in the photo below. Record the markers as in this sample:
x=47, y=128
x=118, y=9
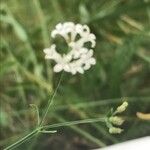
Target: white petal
x=87, y=66
x=79, y=28
x=54, y=33
x=58, y=68
x=46, y=50
x=92, y=61
x=59, y=26
x=86, y=29
x=67, y=68
x=80, y=70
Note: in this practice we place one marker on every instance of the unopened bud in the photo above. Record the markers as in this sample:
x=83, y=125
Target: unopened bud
x=114, y=130
x=122, y=107
x=116, y=120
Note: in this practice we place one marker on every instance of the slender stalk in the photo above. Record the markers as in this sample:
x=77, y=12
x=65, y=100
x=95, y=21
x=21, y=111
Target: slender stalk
x=12, y=146
x=45, y=128
x=37, y=113
x=71, y=123
x=51, y=100
x=84, y=133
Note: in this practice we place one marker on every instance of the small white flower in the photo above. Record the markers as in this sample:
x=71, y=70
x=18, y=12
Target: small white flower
x=79, y=58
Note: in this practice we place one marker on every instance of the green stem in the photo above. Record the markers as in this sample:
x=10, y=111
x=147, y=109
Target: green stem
x=12, y=146
x=51, y=101
x=71, y=123
x=84, y=133
x=44, y=128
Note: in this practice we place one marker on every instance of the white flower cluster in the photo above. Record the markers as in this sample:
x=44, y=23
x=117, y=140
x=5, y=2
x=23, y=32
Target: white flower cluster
x=79, y=58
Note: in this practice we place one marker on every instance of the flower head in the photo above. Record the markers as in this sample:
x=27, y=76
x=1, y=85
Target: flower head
x=79, y=58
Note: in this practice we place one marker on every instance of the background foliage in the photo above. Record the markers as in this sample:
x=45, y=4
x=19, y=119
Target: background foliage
x=122, y=70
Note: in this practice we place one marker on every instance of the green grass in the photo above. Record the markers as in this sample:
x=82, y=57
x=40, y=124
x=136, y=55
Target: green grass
x=122, y=70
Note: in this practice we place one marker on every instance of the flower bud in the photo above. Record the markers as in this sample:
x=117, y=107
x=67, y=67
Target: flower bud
x=122, y=107
x=114, y=130
x=116, y=120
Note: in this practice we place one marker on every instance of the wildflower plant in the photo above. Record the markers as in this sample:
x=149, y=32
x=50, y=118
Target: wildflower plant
x=120, y=64
x=77, y=60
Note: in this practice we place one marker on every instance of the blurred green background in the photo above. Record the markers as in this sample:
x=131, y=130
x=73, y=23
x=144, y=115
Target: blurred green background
x=122, y=29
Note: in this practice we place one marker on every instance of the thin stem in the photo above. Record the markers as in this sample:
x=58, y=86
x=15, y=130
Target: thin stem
x=71, y=123
x=51, y=100
x=37, y=113
x=12, y=146
x=44, y=128
x=85, y=133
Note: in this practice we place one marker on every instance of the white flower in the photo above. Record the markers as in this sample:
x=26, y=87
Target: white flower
x=79, y=58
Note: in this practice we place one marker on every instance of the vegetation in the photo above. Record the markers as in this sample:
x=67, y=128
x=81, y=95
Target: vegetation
x=122, y=70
